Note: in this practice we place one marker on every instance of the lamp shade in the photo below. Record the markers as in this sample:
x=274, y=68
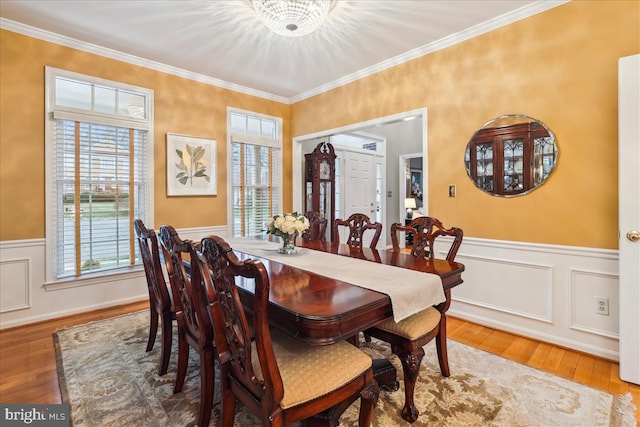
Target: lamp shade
x=410, y=203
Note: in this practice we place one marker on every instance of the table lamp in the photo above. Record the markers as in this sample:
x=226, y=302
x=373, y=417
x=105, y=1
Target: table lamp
x=410, y=204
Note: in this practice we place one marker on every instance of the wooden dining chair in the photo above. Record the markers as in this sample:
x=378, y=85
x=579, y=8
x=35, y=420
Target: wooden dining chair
x=192, y=313
x=280, y=379
x=408, y=336
x=317, y=227
x=160, y=301
x=358, y=225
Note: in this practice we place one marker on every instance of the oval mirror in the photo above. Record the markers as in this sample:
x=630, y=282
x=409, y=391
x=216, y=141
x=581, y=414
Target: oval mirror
x=511, y=155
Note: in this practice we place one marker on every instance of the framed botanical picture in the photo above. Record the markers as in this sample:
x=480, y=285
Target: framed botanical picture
x=191, y=166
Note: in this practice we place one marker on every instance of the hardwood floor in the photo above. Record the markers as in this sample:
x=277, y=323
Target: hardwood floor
x=27, y=357
x=28, y=365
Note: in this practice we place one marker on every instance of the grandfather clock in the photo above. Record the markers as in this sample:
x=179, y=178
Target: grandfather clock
x=320, y=180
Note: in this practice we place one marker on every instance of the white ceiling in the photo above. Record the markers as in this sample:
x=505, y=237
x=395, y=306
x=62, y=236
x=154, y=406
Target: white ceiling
x=224, y=43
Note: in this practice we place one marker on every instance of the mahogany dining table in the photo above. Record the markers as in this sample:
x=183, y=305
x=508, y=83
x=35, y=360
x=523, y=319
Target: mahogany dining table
x=320, y=310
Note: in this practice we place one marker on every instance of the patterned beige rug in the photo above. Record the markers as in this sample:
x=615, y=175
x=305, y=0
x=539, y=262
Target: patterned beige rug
x=110, y=380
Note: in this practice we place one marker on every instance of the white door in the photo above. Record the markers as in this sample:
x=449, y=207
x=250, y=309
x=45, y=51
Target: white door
x=359, y=189
x=629, y=215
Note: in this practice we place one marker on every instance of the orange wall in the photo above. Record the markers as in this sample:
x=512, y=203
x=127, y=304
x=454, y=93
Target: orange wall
x=181, y=106
x=560, y=67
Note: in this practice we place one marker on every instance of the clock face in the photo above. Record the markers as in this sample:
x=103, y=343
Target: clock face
x=325, y=170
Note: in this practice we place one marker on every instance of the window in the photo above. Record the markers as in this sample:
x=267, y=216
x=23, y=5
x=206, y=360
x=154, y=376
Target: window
x=99, y=173
x=256, y=171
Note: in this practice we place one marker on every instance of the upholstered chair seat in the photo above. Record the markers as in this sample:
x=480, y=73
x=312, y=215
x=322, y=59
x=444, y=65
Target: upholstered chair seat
x=302, y=384
x=414, y=326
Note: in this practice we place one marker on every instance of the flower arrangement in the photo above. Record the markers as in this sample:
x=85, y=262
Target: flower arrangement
x=287, y=225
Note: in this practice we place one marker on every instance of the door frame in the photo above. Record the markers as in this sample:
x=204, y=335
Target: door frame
x=297, y=178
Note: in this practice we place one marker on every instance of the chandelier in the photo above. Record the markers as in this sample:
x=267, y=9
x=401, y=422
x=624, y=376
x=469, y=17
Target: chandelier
x=293, y=18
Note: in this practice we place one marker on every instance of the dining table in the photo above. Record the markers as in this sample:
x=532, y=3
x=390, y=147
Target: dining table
x=323, y=306
x=326, y=292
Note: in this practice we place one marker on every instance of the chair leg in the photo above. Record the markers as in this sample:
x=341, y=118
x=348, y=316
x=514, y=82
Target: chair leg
x=441, y=347
x=153, y=328
x=410, y=367
x=167, y=337
x=228, y=398
x=183, y=361
x=369, y=399
x=207, y=381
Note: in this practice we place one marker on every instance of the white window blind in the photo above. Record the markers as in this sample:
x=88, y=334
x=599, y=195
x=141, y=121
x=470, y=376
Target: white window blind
x=256, y=168
x=98, y=176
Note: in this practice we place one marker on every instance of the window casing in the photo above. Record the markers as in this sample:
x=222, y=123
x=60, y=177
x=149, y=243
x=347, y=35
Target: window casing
x=99, y=174
x=255, y=162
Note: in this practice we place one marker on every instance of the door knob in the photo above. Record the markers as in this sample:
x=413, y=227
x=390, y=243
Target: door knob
x=633, y=235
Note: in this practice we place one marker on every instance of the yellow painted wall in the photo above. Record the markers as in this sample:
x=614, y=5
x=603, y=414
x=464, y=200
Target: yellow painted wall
x=560, y=67
x=181, y=106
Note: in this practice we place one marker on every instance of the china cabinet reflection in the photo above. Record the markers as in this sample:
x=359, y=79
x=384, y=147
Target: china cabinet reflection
x=320, y=178
x=512, y=159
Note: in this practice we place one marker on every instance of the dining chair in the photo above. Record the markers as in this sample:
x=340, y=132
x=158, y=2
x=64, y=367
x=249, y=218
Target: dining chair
x=408, y=336
x=280, y=379
x=194, y=323
x=358, y=225
x=160, y=301
x=317, y=227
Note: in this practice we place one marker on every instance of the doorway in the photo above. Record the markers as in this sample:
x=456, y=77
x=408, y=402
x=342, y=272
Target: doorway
x=411, y=184
x=404, y=133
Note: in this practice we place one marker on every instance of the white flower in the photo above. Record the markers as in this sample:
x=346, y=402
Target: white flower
x=300, y=225
x=278, y=221
x=287, y=224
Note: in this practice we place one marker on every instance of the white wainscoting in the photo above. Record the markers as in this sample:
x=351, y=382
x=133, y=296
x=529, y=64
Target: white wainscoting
x=24, y=297
x=547, y=292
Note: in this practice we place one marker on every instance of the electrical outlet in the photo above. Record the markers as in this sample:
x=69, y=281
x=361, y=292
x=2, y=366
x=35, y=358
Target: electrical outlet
x=602, y=306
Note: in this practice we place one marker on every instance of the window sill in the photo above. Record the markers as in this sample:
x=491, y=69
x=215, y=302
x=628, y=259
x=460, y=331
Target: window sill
x=95, y=279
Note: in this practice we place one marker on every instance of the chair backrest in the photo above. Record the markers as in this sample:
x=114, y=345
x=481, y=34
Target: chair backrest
x=317, y=227
x=159, y=296
x=190, y=301
x=425, y=230
x=358, y=224
x=263, y=391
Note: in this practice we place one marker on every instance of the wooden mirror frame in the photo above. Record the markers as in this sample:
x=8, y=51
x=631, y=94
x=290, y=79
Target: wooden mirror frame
x=513, y=155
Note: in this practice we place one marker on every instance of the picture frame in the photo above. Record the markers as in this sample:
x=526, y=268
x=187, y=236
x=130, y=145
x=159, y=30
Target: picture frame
x=416, y=183
x=191, y=166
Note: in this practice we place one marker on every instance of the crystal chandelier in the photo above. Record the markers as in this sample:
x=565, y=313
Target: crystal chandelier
x=293, y=18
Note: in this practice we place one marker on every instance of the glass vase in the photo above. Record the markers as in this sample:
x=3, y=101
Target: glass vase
x=287, y=247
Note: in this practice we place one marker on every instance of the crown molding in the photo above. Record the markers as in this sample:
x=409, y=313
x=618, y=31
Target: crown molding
x=48, y=36
x=500, y=21
x=469, y=33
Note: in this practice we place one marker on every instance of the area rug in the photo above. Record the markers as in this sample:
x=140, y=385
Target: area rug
x=109, y=380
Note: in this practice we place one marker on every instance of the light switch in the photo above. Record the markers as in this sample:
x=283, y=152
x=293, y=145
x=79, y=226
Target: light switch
x=452, y=190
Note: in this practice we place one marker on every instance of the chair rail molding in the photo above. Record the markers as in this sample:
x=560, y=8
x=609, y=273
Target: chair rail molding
x=545, y=292
x=26, y=298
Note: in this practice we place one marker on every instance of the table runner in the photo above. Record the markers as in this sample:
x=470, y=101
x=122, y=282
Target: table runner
x=410, y=291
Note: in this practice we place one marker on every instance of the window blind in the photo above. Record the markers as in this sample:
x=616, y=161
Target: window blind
x=99, y=188
x=256, y=191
